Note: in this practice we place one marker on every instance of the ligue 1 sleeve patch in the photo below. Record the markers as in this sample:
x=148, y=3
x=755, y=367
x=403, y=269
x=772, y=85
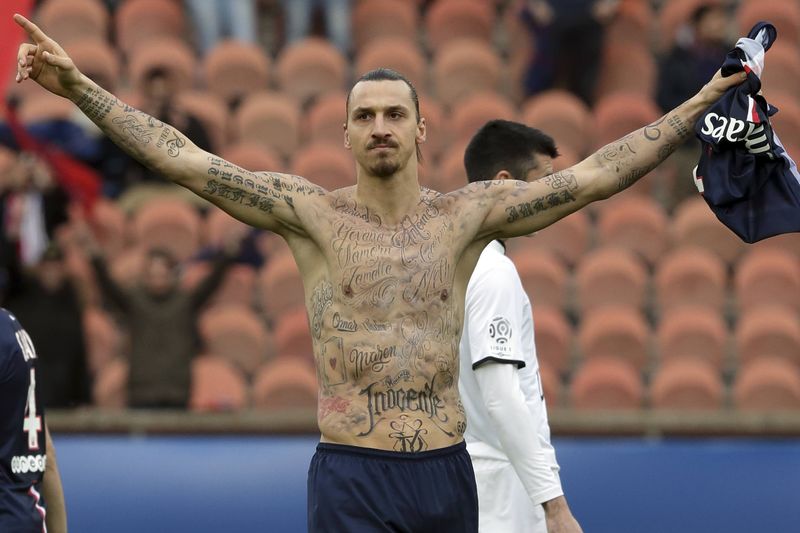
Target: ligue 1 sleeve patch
x=500, y=333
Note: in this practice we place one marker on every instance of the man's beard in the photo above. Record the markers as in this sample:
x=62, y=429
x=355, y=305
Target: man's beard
x=384, y=168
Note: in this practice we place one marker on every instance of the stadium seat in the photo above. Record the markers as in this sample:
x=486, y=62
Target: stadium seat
x=310, y=68
x=397, y=53
x=767, y=384
x=690, y=275
x=269, y=119
x=767, y=276
x=167, y=53
x=285, y=383
x=292, y=334
x=137, y=22
x=674, y=16
x=451, y=174
x=553, y=336
x=606, y=384
x=634, y=222
x=610, y=276
x=253, y=156
x=95, y=58
x=450, y=20
x=615, y=331
x=692, y=332
x=633, y=24
x=687, y=385
x=220, y=227
x=769, y=330
x=237, y=288
x=439, y=133
x=173, y=225
x=465, y=67
x=329, y=166
x=216, y=385
x=563, y=116
x=693, y=223
x=211, y=112
x=627, y=69
x=476, y=110
x=235, y=333
x=66, y=21
x=519, y=47
x=618, y=114
x=786, y=119
x=325, y=119
x=568, y=238
x=103, y=339
x=789, y=242
x=378, y=19
x=784, y=15
x=551, y=385
x=234, y=69
x=544, y=277
x=280, y=286
x=110, y=227
x=782, y=69
x=110, y=387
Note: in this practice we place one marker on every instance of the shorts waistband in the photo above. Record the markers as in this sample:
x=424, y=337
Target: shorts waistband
x=328, y=447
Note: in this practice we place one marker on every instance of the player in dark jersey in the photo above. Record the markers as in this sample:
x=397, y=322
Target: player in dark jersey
x=31, y=499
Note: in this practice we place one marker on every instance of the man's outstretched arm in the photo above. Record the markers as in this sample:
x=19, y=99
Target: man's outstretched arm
x=263, y=199
x=517, y=208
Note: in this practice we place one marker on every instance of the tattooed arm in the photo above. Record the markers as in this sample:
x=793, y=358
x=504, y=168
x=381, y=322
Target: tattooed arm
x=262, y=199
x=516, y=208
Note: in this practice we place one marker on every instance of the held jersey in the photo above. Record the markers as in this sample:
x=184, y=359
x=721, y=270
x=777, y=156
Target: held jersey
x=23, y=453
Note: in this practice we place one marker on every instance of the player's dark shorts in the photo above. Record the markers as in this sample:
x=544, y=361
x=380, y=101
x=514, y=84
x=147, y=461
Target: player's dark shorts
x=354, y=490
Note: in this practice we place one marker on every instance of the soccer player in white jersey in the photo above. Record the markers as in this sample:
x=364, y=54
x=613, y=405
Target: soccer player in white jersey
x=507, y=435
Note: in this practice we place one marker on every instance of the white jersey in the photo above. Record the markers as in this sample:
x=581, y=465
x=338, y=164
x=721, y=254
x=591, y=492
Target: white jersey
x=498, y=328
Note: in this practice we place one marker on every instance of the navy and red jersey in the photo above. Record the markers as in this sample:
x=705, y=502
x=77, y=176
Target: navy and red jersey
x=23, y=453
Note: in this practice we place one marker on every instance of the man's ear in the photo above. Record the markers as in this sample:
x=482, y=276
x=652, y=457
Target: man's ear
x=502, y=175
x=346, y=136
x=422, y=130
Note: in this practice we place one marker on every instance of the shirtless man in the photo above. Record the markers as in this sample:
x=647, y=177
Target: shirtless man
x=385, y=265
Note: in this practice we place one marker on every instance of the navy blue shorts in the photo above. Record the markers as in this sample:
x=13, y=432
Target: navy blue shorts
x=354, y=490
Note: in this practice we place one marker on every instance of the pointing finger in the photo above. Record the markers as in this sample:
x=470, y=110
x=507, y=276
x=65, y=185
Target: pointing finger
x=32, y=29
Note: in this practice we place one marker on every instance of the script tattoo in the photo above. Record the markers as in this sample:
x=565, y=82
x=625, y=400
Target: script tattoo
x=408, y=435
x=333, y=404
x=321, y=300
x=133, y=128
x=95, y=104
x=679, y=126
x=424, y=400
x=561, y=180
x=373, y=359
x=536, y=206
x=174, y=145
x=239, y=196
x=652, y=132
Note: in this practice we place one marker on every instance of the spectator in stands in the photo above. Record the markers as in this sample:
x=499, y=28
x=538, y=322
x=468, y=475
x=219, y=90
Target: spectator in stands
x=699, y=49
x=215, y=19
x=161, y=319
x=337, y=20
x=568, y=38
x=48, y=302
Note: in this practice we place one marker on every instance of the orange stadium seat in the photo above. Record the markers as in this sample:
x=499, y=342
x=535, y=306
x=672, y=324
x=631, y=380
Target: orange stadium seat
x=324, y=121
x=519, y=47
x=563, y=116
x=568, y=238
x=168, y=53
x=687, y=385
x=235, y=69
x=293, y=335
x=544, y=277
x=110, y=387
x=451, y=174
x=253, y=156
x=694, y=224
x=280, y=286
x=782, y=70
x=269, y=119
x=216, y=385
x=437, y=126
x=310, y=68
x=285, y=383
x=789, y=242
x=627, y=69
x=66, y=21
x=674, y=15
x=553, y=337
x=610, y=276
x=97, y=59
x=476, y=110
x=464, y=67
x=450, y=20
x=606, y=384
x=210, y=111
x=786, y=119
x=138, y=22
x=220, y=227
x=692, y=332
x=237, y=288
x=173, y=225
x=103, y=338
x=784, y=15
x=618, y=114
x=690, y=275
x=378, y=19
x=110, y=227
x=235, y=333
x=768, y=331
x=768, y=276
x=397, y=53
x=767, y=384
x=552, y=387
x=634, y=222
x=615, y=331
x=327, y=165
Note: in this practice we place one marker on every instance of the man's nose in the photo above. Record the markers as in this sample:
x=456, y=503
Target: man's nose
x=379, y=129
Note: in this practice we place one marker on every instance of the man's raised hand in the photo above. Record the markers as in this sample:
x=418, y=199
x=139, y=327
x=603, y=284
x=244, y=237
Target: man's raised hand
x=44, y=61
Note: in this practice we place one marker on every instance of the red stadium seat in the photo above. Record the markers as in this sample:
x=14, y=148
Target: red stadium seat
x=610, y=276
x=476, y=110
x=138, y=22
x=692, y=332
x=310, y=68
x=451, y=174
x=211, y=112
x=450, y=20
x=627, y=69
x=438, y=130
x=216, y=385
x=563, y=116
x=324, y=121
x=634, y=222
x=292, y=334
x=606, y=384
x=786, y=119
x=782, y=71
x=378, y=19
x=220, y=227
x=253, y=156
x=167, y=53
x=96, y=59
x=543, y=276
x=236, y=334
x=329, y=166
x=768, y=331
x=66, y=21
x=690, y=275
x=615, y=332
x=695, y=224
x=687, y=385
x=235, y=69
x=285, y=383
x=280, y=286
x=397, y=53
x=768, y=276
x=271, y=120
x=789, y=242
x=568, y=238
x=173, y=225
x=553, y=336
x=110, y=387
x=618, y=114
x=465, y=67
x=768, y=384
